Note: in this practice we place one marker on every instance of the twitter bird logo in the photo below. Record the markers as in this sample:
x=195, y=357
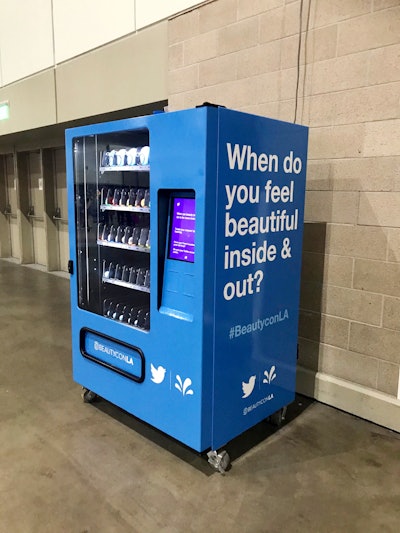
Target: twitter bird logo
x=157, y=374
x=247, y=388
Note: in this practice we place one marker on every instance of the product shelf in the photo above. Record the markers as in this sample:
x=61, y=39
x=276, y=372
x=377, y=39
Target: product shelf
x=132, y=247
x=125, y=168
x=126, y=284
x=128, y=208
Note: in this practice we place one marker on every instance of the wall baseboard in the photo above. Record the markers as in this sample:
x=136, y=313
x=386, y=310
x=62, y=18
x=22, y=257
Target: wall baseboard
x=363, y=402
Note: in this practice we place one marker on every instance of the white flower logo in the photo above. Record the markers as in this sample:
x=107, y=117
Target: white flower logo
x=269, y=376
x=183, y=387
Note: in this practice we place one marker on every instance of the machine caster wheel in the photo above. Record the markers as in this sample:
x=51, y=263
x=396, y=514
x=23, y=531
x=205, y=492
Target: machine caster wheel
x=220, y=461
x=88, y=396
x=277, y=418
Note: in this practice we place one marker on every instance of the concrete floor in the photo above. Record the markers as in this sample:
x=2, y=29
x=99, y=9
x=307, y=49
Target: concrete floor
x=66, y=466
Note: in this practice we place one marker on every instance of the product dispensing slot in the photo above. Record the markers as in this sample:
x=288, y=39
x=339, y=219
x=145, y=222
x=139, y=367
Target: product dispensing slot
x=118, y=356
x=177, y=213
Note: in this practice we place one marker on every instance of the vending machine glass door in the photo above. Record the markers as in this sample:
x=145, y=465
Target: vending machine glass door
x=112, y=206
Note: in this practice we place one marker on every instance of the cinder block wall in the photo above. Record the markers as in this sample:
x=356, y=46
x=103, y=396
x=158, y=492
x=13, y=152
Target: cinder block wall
x=244, y=54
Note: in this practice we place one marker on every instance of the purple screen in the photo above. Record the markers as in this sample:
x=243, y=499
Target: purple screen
x=181, y=243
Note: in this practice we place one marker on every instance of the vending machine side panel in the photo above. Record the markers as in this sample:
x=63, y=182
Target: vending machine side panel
x=260, y=207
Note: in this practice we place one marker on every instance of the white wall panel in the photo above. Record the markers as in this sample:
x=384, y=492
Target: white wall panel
x=149, y=12
x=81, y=25
x=26, y=41
x=127, y=73
x=32, y=103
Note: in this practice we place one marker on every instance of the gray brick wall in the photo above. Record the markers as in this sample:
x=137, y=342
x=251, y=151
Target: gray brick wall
x=243, y=54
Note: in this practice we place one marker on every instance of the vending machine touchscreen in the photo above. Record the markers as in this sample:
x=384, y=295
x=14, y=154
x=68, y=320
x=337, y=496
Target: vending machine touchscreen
x=182, y=229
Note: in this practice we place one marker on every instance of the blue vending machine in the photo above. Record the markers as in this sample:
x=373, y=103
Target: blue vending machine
x=185, y=241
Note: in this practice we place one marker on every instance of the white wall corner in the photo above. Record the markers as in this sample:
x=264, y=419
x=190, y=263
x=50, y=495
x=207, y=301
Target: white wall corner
x=372, y=405
x=398, y=388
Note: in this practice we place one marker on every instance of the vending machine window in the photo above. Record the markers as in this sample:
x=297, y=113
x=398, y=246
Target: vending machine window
x=112, y=191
